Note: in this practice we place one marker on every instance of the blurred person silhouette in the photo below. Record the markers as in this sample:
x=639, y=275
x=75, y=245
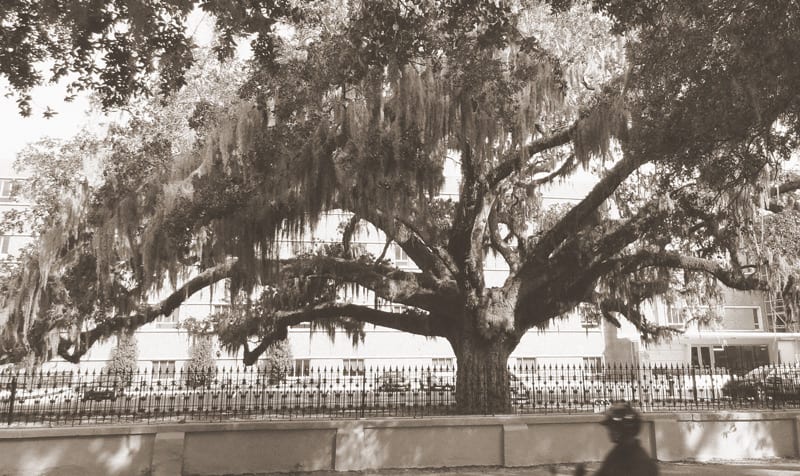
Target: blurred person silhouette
x=627, y=458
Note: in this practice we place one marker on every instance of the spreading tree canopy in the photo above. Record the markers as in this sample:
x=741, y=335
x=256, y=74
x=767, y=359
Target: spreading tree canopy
x=685, y=111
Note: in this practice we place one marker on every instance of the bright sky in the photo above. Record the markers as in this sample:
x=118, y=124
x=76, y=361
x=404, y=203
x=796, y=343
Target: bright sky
x=17, y=131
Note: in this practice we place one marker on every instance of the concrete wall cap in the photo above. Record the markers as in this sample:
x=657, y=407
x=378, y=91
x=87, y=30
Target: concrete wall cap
x=377, y=423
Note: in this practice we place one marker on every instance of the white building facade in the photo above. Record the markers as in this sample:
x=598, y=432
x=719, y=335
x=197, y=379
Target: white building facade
x=750, y=332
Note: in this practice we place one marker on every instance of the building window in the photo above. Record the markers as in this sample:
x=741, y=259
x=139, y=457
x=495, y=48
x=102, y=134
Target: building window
x=741, y=318
x=593, y=364
x=169, y=321
x=442, y=363
x=401, y=259
x=5, y=240
x=756, y=321
x=737, y=358
x=163, y=367
x=676, y=316
x=590, y=316
x=301, y=367
x=220, y=308
x=526, y=363
x=298, y=247
x=7, y=190
x=353, y=367
x=701, y=356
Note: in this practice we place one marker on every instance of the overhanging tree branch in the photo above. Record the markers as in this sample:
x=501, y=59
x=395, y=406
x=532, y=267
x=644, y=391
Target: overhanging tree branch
x=563, y=170
x=411, y=321
x=785, y=187
x=509, y=253
x=733, y=278
x=72, y=349
x=648, y=330
x=428, y=256
x=413, y=289
x=578, y=216
x=774, y=203
x=515, y=160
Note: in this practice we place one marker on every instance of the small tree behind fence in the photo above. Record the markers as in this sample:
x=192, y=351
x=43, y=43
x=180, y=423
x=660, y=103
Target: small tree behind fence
x=123, y=362
x=96, y=396
x=201, y=366
x=277, y=361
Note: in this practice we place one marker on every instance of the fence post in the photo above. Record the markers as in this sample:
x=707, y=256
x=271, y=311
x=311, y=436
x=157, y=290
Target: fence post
x=774, y=386
x=363, y=391
x=11, y=401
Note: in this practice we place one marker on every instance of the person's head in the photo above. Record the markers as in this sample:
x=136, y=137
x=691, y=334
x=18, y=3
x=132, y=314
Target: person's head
x=622, y=422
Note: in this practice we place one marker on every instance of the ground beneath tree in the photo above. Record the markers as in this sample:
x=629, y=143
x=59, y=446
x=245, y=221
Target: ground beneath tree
x=781, y=467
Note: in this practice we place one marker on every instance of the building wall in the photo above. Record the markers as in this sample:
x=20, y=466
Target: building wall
x=565, y=341
x=13, y=241
x=744, y=325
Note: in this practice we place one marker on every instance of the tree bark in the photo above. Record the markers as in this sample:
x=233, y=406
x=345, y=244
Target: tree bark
x=482, y=381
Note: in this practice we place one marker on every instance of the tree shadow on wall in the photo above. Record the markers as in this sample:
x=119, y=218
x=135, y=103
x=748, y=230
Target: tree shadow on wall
x=737, y=436
x=77, y=455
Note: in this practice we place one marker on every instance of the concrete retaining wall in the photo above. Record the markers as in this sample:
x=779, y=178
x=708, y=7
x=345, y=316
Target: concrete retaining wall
x=260, y=447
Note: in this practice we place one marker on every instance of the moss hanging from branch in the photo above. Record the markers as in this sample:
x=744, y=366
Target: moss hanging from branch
x=593, y=137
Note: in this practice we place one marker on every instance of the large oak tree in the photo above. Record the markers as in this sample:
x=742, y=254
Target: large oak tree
x=685, y=111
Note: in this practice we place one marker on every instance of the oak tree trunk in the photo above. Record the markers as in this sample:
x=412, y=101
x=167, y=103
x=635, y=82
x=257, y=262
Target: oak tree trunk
x=482, y=374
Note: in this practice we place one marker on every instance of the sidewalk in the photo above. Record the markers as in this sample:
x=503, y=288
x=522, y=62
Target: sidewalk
x=735, y=468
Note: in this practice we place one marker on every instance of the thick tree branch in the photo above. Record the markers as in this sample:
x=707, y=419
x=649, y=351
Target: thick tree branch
x=788, y=186
x=515, y=160
x=648, y=330
x=428, y=257
x=732, y=278
x=410, y=321
x=412, y=289
x=583, y=212
x=625, y=233
x=566, y=168
x=775, y=204
x=509, y=253
x=72, y=350
x=469, y=202
x=347, y=234
x=473, y=262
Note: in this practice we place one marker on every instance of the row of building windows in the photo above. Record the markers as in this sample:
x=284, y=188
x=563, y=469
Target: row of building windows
x=733, y=317
x=734, y=357
x=356, y=367
x=171, y=320
x=8, y=189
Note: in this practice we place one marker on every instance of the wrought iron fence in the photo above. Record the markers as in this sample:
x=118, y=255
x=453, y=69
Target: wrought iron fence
x=82, y=397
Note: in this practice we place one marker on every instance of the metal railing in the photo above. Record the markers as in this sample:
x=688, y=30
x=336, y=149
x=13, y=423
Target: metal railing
x=90, y=397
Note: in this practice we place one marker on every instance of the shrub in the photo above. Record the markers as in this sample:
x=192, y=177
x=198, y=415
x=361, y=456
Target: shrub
x=123, y=362
x=277, y=361
x=201, y=365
